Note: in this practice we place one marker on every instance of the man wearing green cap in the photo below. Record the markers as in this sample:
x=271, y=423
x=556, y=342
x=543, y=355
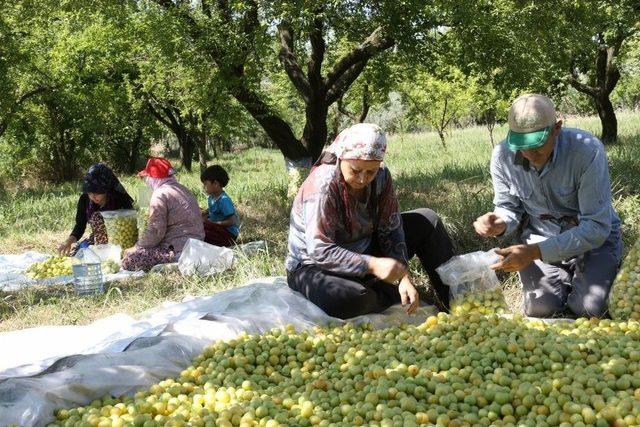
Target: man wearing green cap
x=553, y=194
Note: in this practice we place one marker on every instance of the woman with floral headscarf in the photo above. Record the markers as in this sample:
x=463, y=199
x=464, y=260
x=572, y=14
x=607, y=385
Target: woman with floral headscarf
x=174, y=218
x=101, y=191
x=348, y=243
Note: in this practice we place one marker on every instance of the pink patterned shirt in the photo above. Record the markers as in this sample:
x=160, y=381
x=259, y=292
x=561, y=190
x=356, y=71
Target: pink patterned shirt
x=174, y=217
x=321, y=233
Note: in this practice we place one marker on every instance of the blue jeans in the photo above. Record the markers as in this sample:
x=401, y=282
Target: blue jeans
x=581, y=283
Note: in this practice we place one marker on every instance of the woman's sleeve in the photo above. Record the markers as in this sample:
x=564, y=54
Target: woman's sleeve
x=157, y=225
x=390, y=231
x=81, y=217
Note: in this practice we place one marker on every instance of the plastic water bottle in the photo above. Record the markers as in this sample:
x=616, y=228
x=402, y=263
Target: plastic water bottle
x=87, y=279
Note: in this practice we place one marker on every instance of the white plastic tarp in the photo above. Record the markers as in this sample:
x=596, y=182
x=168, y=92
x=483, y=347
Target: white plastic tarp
x=12, y=269
x=119, y=355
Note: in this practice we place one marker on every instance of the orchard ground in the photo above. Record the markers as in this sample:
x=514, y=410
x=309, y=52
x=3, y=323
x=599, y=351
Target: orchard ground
x=454, y=181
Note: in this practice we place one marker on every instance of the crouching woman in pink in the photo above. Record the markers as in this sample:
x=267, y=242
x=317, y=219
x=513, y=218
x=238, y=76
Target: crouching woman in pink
x=174, y=217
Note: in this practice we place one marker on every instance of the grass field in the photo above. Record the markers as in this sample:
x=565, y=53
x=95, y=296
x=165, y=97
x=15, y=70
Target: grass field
x=454, y=181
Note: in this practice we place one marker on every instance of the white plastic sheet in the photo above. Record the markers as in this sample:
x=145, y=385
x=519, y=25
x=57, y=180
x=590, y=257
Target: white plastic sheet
x=201, y=258
x=12, y=269
x=182, y=329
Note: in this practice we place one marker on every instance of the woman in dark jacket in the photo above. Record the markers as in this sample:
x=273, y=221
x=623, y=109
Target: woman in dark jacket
x=101, y=191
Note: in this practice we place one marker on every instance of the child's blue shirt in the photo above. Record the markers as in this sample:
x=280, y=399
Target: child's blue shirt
x=221, y=209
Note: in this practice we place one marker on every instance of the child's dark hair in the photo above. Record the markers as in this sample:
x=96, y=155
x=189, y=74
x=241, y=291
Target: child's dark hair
x=215, y=173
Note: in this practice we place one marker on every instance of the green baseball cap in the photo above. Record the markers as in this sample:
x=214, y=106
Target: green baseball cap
x=531, y=118
x=527, y=140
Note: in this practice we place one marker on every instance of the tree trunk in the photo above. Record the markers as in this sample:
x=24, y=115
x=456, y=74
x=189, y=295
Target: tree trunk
x=490, y=126
x=185, y=139
x=606, y=78
x=315, y=132
x=278, y=130
x=65, y=165
x=607, y=119
x=135, y=152
x=441, y=135
x=214, y=144
x=365, y=104
x=335, y=127
x=202, y=150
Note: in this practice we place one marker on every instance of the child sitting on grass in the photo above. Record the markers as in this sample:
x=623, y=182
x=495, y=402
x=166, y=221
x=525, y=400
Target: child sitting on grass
x=220, y=218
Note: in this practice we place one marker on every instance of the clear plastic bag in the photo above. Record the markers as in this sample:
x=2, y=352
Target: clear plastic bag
x=474, y=286
x=100, y=253
x=204, y=259
x=144, y=199
x=122, y=227
x=143, y=220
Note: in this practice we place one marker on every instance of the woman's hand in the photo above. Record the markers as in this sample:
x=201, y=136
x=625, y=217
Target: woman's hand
x=64, y=248
x=388, y=269
x=408, y=294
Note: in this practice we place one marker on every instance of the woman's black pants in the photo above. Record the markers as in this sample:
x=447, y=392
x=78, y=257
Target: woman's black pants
x=345, y=296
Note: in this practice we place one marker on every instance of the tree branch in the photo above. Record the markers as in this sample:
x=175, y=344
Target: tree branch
x=581, y=87
x=169, y=5
x=206, y=8
x=4, y=123
x=365, y=104
x=340, y=86
x=375, y=43
x=318, y=48
x=443, y=123
x=343, y=110
x=169, y=121
x=250, y=19
x=290, y=63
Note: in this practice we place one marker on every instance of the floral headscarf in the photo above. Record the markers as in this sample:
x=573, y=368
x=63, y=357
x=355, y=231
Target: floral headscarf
x=362, y=141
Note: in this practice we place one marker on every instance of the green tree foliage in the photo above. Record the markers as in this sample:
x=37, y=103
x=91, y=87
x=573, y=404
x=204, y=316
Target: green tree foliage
x=20, y=80
x=627, y=92
x=490, y=106
x=85, y=112
x=311, y=37
x=595, y=63
x=439, y=101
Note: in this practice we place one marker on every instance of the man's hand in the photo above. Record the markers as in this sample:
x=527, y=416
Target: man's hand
x=408, y=294
x=489, y=225
x=387, y=269
x=515, y=258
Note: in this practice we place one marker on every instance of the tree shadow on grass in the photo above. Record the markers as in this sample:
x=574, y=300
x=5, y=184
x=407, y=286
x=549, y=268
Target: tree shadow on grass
x=458, y=194
x=467, y=174
x=625, y=164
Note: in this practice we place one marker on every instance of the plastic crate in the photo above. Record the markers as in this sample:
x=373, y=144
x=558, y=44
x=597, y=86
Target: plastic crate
x=87, y=279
